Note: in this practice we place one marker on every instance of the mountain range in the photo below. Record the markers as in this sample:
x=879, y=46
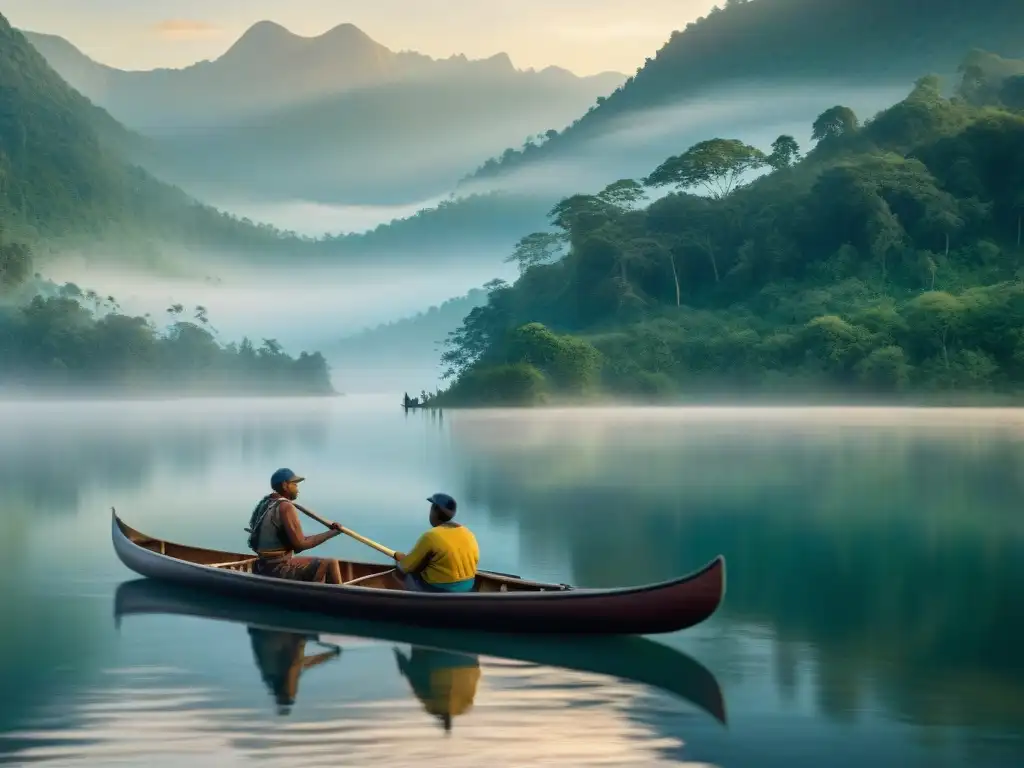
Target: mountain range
x=55, y=173
x=337, y=118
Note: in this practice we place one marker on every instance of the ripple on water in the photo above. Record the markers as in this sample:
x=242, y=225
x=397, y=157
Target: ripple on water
x=523, y=715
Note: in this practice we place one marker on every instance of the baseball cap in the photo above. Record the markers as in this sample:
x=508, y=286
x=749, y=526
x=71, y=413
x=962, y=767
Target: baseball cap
x=444, y=501
x=282, y=476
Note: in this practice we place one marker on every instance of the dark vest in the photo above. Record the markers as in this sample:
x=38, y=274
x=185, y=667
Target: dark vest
x=265, y=530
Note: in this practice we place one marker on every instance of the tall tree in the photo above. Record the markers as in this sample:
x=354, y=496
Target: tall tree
x=717, y=165
x=834, y=122
x=624, y=194
x=785, y=152
x=536, y=248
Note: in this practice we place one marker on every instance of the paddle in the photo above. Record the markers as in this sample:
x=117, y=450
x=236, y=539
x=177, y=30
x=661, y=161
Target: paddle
x=348, y=532
x=369, y=542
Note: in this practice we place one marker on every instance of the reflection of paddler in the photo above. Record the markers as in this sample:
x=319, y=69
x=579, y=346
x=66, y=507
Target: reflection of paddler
x=281, y=660
x=444, y=682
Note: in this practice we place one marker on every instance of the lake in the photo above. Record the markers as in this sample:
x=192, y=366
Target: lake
x=873, y=614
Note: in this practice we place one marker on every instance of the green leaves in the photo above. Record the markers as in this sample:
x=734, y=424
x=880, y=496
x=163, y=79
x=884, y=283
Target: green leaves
x=15, y=264
x=785, y=152
x=534, y=249
x=623, y=194
x=834, y=122
x=715, y=165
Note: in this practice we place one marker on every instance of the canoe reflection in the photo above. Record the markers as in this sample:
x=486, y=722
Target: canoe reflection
x=443, y=669
x=281, y=659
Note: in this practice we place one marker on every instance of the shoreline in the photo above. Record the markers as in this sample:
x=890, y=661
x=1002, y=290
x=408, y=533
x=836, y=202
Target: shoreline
x=71, y=396
x=979, y=401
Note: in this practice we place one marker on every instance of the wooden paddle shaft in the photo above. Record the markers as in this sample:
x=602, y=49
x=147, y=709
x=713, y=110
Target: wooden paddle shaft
x=327, y=524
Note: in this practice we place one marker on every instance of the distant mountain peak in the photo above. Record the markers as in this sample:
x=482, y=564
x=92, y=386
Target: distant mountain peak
x=266, y=30
x=266, y=35
x=264, y=41
x=347, y=33
x=500, y=61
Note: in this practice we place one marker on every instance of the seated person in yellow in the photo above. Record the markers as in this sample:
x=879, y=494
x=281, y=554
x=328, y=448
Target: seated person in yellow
x=445, y=557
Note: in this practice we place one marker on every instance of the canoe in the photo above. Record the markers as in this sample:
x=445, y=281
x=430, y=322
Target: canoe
x=634, y=659
x=497, y=603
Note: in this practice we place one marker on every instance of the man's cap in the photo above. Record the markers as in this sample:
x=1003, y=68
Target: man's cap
x=282, y=476
x=444, y=501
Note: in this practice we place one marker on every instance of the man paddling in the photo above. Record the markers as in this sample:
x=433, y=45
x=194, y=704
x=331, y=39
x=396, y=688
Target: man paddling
x=445, y=558
x=275, y=535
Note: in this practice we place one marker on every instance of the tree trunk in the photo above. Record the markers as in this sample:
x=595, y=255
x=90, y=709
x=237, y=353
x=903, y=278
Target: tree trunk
x=933, y=278
x=947, y=245
x=945, y=354
x=675, y=277
x=1019, y=217
x=711, y=255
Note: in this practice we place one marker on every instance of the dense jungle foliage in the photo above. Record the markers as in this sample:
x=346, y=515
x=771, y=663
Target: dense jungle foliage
x=884, y=263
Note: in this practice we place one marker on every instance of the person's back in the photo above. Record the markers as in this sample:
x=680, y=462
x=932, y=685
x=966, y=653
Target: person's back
x=267, y=536
x=454, y=554
x=445, y=558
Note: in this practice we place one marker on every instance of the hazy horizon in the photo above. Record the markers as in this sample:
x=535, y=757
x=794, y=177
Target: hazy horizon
x=584, y=37
x=630, y=146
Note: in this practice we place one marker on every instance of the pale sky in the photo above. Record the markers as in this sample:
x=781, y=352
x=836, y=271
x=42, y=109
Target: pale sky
x=585, y=36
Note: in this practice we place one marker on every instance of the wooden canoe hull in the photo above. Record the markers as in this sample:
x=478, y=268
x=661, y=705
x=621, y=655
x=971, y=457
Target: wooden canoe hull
x=645, y=610
x=635, y=659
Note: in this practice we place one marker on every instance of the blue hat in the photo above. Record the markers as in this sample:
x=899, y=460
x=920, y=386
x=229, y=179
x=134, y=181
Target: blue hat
x=283, y=476
x=444, y=501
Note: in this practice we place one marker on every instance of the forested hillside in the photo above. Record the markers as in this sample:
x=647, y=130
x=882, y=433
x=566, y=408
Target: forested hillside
x=787, y=42
x=885, y=262
x=62, y=173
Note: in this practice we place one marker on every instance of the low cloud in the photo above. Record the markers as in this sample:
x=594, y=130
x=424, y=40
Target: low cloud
x=186, y=29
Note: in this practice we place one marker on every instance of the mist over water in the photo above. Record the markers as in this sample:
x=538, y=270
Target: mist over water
x=304, y=308
x=633, y=145
x=313, y=219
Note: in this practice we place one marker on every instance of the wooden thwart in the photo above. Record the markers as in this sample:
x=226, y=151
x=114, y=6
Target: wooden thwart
x=356, y=582
x=236, y=565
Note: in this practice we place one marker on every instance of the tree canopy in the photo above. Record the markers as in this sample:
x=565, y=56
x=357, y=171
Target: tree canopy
x=717, y=165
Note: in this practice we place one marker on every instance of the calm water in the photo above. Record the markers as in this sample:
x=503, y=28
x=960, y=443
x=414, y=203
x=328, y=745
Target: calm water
x=873, y=613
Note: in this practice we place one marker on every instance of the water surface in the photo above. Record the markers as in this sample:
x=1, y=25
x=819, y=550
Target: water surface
x=872, y=616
